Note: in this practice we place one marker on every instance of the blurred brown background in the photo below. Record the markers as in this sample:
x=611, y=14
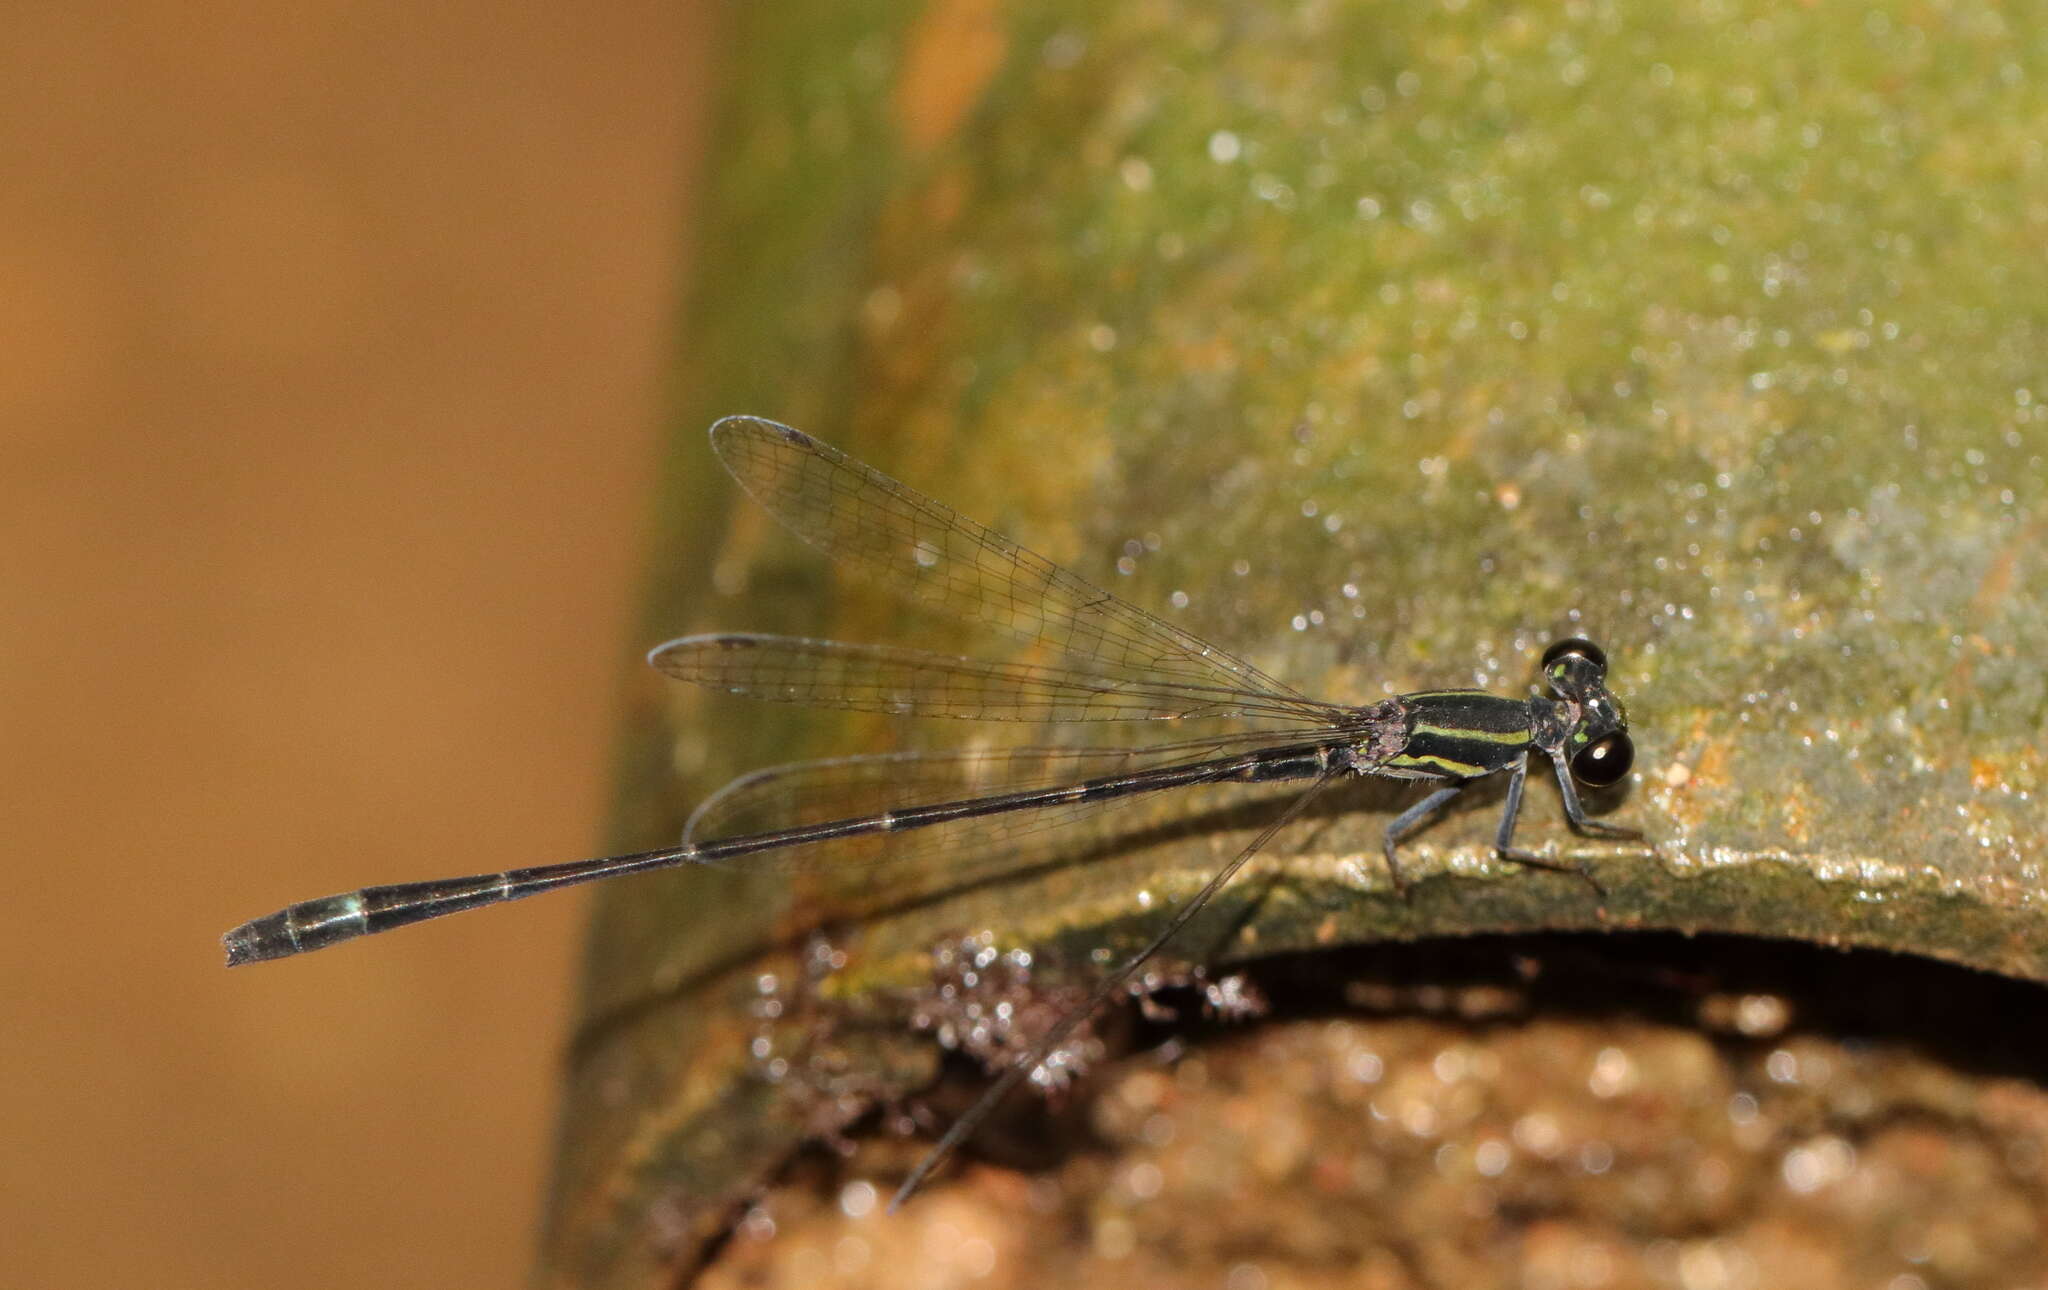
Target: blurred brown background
x=332, y=342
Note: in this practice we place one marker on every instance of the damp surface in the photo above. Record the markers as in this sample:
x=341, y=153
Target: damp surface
x=1383, y=346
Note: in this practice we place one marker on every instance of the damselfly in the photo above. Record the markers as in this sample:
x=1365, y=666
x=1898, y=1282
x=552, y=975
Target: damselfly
x=1115, y=663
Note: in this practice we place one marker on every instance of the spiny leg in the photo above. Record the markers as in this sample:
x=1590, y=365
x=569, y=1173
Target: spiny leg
x=1410, y=820
x=1504, y=841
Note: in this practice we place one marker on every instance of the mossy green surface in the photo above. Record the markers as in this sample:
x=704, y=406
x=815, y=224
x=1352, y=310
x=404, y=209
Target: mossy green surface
x=1381, y=344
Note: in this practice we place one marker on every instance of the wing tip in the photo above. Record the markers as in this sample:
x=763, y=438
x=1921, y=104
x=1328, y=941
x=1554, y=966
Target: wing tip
x=663, y=656
x=746, y=423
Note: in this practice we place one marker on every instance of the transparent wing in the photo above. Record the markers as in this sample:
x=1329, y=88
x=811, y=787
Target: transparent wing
x=813, y=792
x=913, y=682
x=936, y=557
x=925, y=861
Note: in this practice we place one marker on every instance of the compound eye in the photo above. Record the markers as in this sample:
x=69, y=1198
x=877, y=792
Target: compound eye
x=1575, y=645
x=1605, y=760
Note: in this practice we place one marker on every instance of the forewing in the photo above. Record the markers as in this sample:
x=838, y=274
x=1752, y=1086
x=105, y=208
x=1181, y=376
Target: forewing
x=920, y=683
x=936, y=557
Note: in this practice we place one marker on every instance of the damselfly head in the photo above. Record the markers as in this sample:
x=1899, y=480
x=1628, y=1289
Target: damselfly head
x=1599, y=748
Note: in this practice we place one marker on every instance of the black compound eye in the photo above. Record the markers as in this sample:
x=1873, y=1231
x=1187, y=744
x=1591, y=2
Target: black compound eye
x=1575, y=645
x=1605, y=760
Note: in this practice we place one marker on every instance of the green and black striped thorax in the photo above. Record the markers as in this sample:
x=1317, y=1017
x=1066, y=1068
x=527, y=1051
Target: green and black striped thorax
x=1459, y=734
x=1467, y=734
